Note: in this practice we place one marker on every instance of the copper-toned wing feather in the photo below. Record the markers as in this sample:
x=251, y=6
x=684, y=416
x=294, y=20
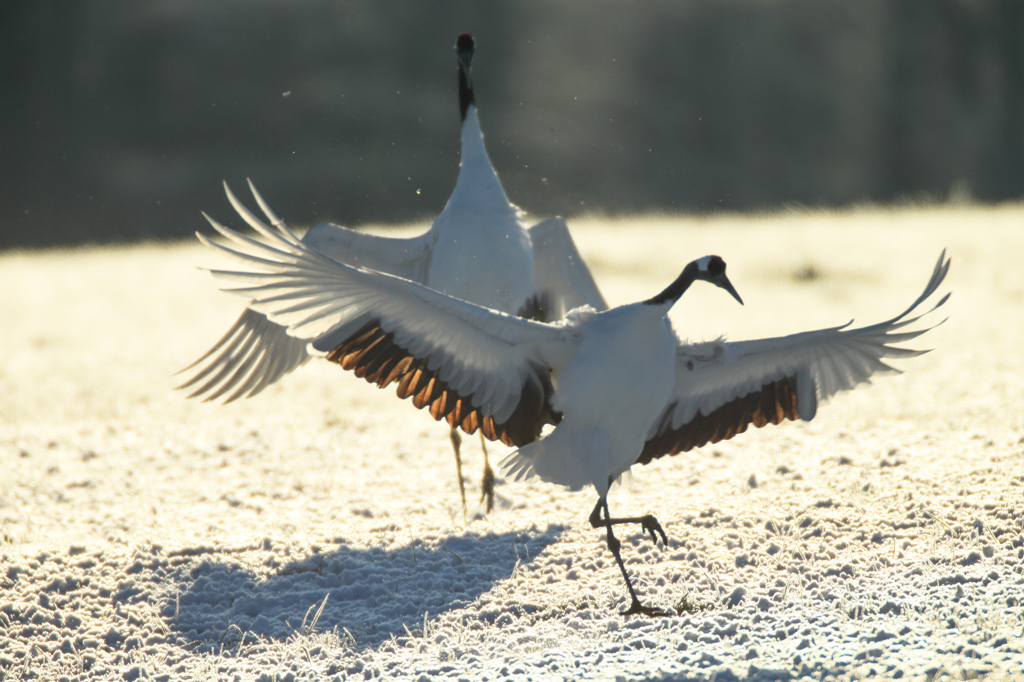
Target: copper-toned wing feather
x=372, y=354
x=774, y=403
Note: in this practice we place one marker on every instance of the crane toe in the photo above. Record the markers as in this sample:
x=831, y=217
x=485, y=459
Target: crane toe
x=636, y=608
x=649, y=524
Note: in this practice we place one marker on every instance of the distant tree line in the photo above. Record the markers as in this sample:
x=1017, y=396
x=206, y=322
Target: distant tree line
x=119, y=120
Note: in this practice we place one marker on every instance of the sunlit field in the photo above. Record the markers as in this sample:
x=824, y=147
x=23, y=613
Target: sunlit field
x=316, y=530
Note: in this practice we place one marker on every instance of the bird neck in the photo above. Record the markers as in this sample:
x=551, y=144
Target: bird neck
x=673, y=291
x=465, y=92
x=478, y=184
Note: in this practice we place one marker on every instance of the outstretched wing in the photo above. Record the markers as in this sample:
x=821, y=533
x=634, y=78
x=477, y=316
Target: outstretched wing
x=255, y=352
x=561, y=280
x=721, y=388
x=474, y=367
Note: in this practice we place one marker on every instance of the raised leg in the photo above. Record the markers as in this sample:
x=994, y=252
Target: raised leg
x=487, y=484
x=456, y=446
x=649, y=525
x=647, y=522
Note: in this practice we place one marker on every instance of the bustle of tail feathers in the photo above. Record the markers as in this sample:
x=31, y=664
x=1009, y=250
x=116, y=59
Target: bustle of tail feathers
x=520, y=468
x=575, y=460
x=518, y=464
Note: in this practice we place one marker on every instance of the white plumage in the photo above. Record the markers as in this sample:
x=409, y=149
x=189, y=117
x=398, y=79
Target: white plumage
x=619, y=385
x=620, y=360
x=478, y=249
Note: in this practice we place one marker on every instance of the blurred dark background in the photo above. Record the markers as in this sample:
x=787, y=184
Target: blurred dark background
x=118, y=120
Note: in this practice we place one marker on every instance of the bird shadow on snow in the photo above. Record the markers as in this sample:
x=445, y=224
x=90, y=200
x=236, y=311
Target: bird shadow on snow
x=372, y=594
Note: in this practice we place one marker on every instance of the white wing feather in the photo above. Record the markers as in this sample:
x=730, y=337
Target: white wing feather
x=478, y=352
x=561, y=280
x=253, y=354
x=824, y=362
x=256, y=352
x=399, y=256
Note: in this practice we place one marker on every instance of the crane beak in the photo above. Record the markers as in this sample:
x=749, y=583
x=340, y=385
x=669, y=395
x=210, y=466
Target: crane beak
x=723, y=282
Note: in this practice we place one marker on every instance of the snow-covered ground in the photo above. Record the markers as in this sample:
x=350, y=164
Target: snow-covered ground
x=315, y=531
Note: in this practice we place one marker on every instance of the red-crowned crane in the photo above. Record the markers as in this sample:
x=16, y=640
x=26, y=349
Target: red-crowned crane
x=478, y=249
x=619, y=385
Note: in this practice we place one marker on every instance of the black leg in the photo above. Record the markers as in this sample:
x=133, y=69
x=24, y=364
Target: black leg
x=649, y=524
x=456, y=445
x=487, y=484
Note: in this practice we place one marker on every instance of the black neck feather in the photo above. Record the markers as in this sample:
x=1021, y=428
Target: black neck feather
x=464, y=47
x=465, y=93
x=672, y=293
